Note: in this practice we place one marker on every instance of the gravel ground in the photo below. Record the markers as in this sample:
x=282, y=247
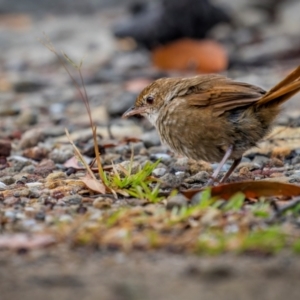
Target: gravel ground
x=42, y=201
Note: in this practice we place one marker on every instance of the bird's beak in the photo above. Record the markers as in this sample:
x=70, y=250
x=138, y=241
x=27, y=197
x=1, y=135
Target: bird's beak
x=134, y=111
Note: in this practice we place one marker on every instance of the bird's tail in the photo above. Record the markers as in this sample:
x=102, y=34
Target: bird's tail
x=284, y=90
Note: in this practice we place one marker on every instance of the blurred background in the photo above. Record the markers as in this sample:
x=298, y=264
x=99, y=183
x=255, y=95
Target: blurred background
x=126, y=44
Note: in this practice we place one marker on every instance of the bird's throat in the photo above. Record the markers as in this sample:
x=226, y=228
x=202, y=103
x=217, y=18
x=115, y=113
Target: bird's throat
x=152, y=117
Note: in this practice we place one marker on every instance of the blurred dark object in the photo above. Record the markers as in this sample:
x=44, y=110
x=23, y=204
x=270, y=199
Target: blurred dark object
x=167, y=20
x=5, y=148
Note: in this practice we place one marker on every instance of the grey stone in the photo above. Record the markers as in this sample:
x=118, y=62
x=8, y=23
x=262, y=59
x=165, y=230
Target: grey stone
x=72, y=199
x=61, y=155
x=9, y=110
x=295, y=177
x=2, y=185
x=159, y=172
x=171, y=180
x=260, y=160
x=8, y=180
x=177, y=201
x=29, y=169
x=200, y=177
x=158, y=149
x=151, y=138
x=163, y=157
x=225, y=167
x=31, y=138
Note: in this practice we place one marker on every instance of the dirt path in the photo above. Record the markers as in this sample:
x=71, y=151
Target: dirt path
x=66, y=275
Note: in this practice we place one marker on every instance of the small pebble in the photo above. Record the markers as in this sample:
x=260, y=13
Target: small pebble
x=40, y=216
x=102, y=203
x=31, y=138
x=27, y=118
x=177, y=201
x=151, y=138
x=2, y=185
x=162, y=156
x=225, y=168
x=7, y=180
x=171, y=180
x=200, y=177
x=260, y=160
x=60, y=156
x=210, y=216
x=72, y=199
x=65, y=219
x=10, y=214
x=159, y=172
x=28, y=223
x=33, y=184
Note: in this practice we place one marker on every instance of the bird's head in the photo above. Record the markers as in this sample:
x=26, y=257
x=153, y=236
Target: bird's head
x=153, y=98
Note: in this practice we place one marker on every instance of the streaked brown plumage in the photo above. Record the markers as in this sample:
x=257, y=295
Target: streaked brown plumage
x=211, y=117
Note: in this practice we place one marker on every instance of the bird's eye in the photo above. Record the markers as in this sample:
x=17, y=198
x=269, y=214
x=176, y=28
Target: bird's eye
x=149, y=100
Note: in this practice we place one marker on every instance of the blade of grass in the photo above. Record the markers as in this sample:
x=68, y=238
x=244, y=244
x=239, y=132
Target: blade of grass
x=47, y=43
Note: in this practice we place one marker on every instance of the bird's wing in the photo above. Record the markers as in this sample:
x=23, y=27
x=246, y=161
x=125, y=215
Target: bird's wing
x=222, y=94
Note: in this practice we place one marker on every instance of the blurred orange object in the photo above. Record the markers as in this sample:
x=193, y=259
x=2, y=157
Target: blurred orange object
x=205, y=56
x=19, y=22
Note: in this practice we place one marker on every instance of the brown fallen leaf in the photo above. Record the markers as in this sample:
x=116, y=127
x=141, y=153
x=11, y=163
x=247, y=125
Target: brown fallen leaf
x=251, y=189
x=130, y=140
x=93, y=184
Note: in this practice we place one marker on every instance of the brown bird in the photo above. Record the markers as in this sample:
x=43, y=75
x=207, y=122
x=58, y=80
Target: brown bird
x=211, y=117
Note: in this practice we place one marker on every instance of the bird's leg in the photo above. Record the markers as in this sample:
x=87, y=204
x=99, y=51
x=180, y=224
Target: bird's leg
x=235, y=163
x=220, y=166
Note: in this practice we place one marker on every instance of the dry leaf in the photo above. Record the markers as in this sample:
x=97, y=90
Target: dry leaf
x=93, y=184
x=251, y=189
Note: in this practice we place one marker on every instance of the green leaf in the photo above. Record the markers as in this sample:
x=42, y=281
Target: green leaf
x=235, y=202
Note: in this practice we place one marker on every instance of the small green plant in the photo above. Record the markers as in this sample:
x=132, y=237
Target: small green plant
x=128, y=180
x=269, y=240
x=235, y=203
x=296, y=246
x=261, y=209
x=114, y=218
x=211, y=243
x=137, y=184
x=144, y=192
x=205, y=199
